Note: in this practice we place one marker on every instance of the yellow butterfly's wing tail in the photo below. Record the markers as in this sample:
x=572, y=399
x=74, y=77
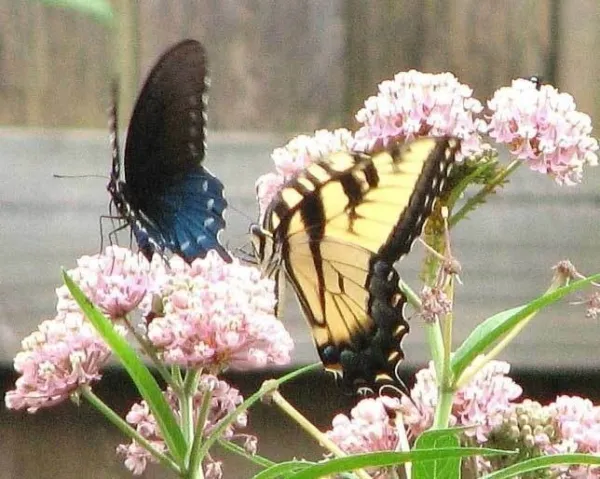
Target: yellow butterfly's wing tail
x=355, y=310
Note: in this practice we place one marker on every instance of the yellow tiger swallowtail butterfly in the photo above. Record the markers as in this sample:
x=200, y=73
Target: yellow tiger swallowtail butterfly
x=336, y=230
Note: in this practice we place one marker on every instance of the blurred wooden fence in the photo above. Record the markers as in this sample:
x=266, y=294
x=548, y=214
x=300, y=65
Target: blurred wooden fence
x=283, y=65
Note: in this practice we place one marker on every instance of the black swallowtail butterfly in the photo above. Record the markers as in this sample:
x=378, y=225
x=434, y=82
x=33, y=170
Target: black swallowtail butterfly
x=168, y=198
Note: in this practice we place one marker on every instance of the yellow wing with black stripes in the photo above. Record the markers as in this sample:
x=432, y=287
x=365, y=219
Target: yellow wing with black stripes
x=337, y=229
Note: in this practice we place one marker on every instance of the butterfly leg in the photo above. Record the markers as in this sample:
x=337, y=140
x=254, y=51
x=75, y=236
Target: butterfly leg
x=112, y=235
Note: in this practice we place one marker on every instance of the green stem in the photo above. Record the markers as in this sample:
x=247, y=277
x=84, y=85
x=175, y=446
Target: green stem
x=126, y=429
x=186, y=401
x=403, y=444
x=177, y=378
x=447, y=323
x=195, y=462
x=305, y=424
x=266, y=388
x=240, y=451
x=413, y=298
x=311, y=429
x=486, y=190
x=435, y=341
x=444, y=407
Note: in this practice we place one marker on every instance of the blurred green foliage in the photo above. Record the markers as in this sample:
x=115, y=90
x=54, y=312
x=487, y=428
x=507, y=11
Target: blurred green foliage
x=100, y=10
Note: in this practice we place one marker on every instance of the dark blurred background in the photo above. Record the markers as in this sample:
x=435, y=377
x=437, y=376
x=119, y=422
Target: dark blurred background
x=279, y=68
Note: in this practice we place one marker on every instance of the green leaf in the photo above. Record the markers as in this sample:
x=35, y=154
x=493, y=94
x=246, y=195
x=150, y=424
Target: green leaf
x=139, y=373
x=471, y=172
x=447, y=468
x=517, y=470
x=100, y=10
x=483, y=336
x=486, y=334
x=384, y=459
x=490, y=185
x=283, y=469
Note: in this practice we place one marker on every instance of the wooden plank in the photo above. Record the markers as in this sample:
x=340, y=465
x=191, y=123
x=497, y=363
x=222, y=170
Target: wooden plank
x=274, y=65
x=288, y=66
x=507, y=247
x=53, y=66
x=484, y=43
x=578, y=63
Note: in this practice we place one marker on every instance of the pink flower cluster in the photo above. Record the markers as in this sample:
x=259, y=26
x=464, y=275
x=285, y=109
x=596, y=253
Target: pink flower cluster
x=486, y=405
x=434, y=304
x=66, y=352
x=370, y=428
x=543, y=128
x=416, y=104
x=578, y=423
x=210, y=314
x=303, y=150
x=61, y=356
x=487, y=410
x=480, y=404
x=223, y=402
x=215, y=314
x=115, y=281
x=300, y=152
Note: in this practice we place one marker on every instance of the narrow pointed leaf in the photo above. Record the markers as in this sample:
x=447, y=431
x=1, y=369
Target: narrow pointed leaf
x=139, y=373
x=384, y=459
x=486, y=334
x=284, y=469
x=530, y=465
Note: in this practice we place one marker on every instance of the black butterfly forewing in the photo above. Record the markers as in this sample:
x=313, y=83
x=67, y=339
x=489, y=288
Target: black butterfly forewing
x=170, y=200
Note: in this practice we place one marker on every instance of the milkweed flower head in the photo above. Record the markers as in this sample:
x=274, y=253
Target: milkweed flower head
x=223, y=401
x=116, y=281
x=416, y=104
x=479, y=405
x=303, y=150
x=528, y=428
x=64, y=354
x=212, y=314
x=577, y=421
x=435, y=304
x=296, y=155
x=369, y=428
x=544, y=129
x=570, y=424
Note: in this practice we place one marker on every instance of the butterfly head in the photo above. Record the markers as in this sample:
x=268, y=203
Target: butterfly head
x=265, y=249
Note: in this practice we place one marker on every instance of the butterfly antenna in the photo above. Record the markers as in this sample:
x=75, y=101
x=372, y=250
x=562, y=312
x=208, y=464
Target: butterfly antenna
x=113, y=127
x=80, y=176
x=242, y=213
